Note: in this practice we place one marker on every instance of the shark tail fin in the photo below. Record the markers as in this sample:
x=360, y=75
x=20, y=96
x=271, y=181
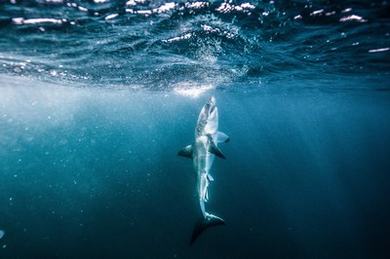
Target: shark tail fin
x=209, y=221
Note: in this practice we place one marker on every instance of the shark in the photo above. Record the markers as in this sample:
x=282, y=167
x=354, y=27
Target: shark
x=202, y=152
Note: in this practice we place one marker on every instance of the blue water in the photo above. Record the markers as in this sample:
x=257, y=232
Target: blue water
x=97, y=97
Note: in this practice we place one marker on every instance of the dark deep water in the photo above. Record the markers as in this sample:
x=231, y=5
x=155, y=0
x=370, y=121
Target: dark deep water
x=97, y=97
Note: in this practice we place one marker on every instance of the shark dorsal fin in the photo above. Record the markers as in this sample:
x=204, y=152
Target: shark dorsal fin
x=221, y=137
x=186, y=151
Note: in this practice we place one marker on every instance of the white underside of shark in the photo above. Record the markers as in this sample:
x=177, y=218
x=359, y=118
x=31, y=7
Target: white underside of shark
x=202, y=153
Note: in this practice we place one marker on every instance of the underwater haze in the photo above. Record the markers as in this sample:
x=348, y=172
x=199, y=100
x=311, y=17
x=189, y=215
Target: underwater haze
x=97, y=97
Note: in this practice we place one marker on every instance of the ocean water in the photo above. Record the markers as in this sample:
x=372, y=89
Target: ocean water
x=97, y=97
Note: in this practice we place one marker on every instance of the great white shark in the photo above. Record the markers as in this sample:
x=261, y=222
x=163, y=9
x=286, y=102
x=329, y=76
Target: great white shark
x=202, y=152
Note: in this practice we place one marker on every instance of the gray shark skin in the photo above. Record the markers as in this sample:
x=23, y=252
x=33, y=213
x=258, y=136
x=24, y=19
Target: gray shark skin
x=202, y=152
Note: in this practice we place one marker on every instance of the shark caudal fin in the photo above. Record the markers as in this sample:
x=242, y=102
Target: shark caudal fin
x=205, y=223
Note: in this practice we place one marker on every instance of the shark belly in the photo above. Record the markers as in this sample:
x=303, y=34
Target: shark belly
x=202, y=164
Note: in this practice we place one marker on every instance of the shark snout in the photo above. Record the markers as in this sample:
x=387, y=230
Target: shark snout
x=212, y=104
x=212, y=101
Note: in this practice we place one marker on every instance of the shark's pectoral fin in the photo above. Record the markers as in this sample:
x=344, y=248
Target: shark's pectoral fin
x=221, y=137
x=186, y=151
x=213, y=149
